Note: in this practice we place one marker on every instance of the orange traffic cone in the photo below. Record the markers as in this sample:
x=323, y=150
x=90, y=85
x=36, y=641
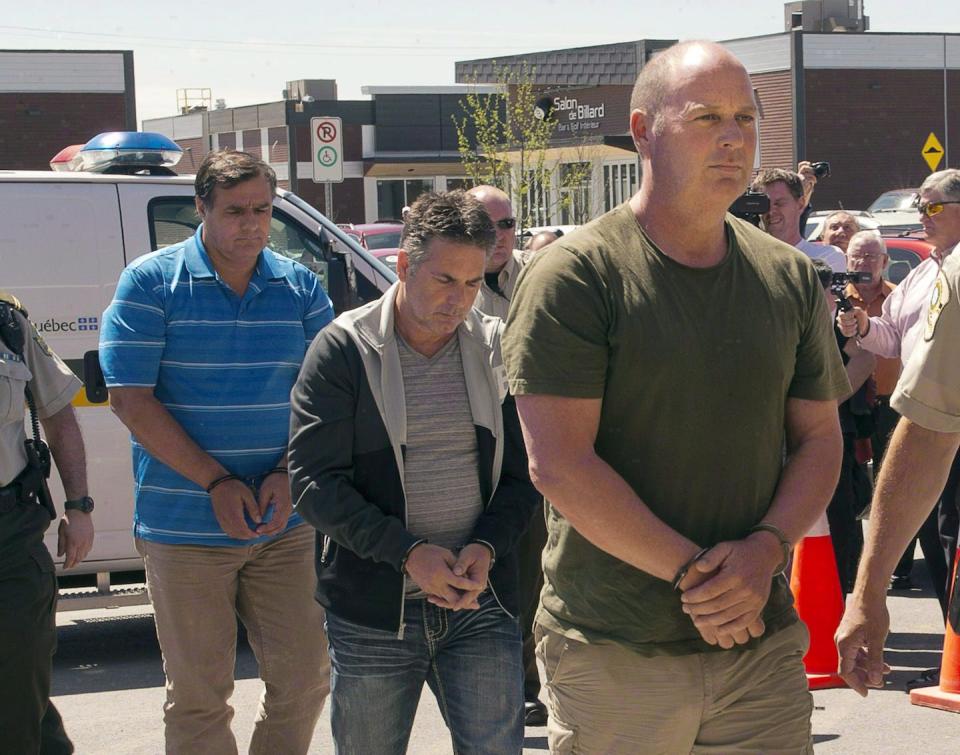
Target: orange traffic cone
x=947, y=695
x=816, y=589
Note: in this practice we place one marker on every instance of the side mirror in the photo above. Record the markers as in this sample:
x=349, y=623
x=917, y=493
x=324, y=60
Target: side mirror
x=94, y=383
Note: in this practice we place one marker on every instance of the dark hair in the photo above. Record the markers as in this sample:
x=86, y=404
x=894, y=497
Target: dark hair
x=772, y=175
x=226, y=168
x=824, y=272
x=451, y=215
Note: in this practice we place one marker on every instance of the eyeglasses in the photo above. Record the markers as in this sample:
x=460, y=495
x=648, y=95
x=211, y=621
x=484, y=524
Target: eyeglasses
x=506, y=224
x=934, y=208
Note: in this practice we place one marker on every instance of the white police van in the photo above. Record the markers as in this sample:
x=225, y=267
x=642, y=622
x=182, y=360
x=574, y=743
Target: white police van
x=65, y=236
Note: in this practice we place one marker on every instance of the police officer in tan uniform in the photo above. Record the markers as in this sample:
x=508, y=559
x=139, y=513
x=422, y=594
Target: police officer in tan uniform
x=913, y=474
x=29, y=722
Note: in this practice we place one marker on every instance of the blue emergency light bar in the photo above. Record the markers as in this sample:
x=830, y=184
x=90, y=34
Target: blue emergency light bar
x=128, y=150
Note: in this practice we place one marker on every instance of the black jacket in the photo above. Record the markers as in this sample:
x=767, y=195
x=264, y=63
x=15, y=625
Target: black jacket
x=346, y=461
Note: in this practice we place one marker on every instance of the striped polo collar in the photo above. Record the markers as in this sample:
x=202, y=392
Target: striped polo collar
x=199, y=265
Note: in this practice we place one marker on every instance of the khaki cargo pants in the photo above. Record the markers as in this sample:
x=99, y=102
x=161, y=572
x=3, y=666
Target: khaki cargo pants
x=608, y=699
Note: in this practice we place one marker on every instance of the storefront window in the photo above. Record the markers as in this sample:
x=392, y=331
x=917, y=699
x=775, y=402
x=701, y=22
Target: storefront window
x=619, y=183
x=575, y=193
x=394, y=195
x=536, y=206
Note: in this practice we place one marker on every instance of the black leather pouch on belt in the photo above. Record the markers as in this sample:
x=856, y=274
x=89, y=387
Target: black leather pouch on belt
x=29, y=487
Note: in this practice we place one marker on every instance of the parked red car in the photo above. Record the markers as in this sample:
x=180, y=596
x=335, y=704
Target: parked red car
x=375, y=236
x=383, y=239
x=906, y=252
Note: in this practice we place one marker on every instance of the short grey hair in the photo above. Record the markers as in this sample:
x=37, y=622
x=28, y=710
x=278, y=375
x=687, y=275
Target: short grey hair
x=451, y=215
x=871, y=235
x=946, y=182
x=832, y=215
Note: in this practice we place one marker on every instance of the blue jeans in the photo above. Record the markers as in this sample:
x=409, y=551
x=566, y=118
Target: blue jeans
x=470, y=659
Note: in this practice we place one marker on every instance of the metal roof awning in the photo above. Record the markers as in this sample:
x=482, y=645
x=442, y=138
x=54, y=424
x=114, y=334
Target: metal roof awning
x=382, y=166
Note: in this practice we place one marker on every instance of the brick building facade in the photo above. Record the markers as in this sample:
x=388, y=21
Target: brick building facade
x=51, y=99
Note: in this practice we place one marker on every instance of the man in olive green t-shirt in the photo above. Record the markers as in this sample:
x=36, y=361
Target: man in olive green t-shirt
x=662, y=357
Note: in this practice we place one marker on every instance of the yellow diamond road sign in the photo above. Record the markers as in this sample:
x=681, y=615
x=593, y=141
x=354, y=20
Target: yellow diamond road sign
x=932, y=151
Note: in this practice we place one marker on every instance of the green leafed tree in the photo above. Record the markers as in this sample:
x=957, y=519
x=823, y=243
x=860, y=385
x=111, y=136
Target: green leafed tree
x=503, y=139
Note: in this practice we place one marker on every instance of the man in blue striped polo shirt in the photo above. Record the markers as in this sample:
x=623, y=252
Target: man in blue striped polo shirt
x=200, y=348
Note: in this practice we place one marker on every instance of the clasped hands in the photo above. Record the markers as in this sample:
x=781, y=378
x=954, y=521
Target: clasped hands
x=725, y=590
x=450, y=580
x=234, y=503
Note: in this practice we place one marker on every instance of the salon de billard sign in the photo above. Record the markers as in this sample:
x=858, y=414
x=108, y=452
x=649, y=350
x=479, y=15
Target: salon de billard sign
x=576, y=116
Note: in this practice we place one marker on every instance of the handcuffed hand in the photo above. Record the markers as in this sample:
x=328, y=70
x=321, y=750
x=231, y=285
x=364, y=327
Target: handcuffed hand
x=431, y=568
x=473, y=562
x=229, y=500
x=274, y=489
x=728, y=604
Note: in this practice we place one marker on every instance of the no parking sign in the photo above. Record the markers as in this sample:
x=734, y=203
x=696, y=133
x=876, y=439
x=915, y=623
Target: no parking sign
x=326, y=140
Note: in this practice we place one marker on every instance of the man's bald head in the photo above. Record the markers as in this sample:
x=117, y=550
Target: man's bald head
x=658, y=76
x=540, y=240
x=486, y=193
x=498, y=207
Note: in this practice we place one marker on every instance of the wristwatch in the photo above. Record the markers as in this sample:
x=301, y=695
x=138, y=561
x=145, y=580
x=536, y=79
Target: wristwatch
x=84, y=504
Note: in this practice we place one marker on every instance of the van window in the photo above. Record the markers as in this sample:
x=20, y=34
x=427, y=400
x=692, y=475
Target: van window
x=174, y=219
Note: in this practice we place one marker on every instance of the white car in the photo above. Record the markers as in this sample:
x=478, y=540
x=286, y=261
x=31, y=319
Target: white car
x=896, y=211
x=813, y=230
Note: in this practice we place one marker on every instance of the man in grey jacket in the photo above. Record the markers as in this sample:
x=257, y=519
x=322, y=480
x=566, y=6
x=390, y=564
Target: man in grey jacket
x=406, y=454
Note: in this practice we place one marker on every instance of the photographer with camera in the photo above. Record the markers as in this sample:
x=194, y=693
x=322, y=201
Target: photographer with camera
x=899, y=327
x=788, y=198
x=867, y=252
x=33, y=378
x=852, y=493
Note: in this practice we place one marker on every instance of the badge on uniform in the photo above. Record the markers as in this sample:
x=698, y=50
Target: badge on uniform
x=938, y=300
x=38, y=339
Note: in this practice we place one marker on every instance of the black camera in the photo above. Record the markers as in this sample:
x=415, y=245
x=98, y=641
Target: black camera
x=838, y=285
x=750, y=206
x=821, y=169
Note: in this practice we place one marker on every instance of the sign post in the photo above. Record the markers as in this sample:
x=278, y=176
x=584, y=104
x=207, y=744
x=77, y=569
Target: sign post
x=326, y=146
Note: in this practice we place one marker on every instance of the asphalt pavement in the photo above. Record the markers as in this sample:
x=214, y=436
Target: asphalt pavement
x=108, y=684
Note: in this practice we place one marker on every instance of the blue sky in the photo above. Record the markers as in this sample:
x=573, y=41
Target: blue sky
x=245, y=51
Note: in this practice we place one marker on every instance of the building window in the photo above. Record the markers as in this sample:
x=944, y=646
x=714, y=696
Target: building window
x=575, y=193
x=619, y=183
x=394, y=195
x=459, y=183
x=537, y=202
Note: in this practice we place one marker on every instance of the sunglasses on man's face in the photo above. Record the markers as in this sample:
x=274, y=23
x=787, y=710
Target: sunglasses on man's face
x=934, y=208
x=506, y=224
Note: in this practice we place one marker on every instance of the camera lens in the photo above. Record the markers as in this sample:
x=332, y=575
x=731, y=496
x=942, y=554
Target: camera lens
x=821, y=169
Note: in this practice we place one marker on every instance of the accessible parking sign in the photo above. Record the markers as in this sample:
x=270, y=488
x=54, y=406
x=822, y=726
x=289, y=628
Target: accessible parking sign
x=326, y=140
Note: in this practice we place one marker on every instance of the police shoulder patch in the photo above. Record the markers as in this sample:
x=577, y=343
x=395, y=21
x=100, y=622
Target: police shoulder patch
x=939, y=298
x=38, y=339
